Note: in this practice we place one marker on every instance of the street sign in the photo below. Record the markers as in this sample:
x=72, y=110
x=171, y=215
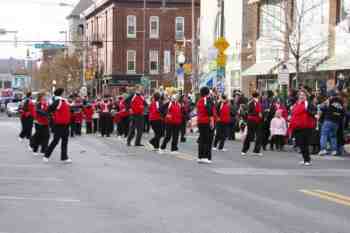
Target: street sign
x=283, y=76
x=49, y=46
x=221, y=59
x=221, y=44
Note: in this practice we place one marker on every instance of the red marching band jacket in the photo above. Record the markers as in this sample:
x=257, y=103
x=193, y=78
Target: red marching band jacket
x=41, y=115
x=154, y=113
x=78, y=113
x=105, y=107
x=28, y=110
x=123, y=112
x=174, y=114
x=224, y=115
x=62, y=114
x=256, y=116
x=137, y=105
x=203, y=114
x=88, y=113
x=301, y=118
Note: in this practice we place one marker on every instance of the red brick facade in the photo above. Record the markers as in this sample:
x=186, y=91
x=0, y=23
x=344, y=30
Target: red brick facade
x=121, y=43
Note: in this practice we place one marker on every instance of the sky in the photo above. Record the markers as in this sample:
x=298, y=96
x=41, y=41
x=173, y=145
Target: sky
x=35, y=20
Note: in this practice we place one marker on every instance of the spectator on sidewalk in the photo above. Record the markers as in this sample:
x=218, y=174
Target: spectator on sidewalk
x=278, y=129
x=333, y=111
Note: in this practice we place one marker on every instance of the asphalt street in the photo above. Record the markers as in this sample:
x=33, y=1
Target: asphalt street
x=112, y=188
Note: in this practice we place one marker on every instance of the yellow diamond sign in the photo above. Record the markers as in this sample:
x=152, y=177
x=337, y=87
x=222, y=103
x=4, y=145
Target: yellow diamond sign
x=221, y=44
x=221, y=59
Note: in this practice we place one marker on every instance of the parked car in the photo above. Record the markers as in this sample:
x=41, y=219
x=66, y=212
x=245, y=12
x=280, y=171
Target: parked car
x=12, y=109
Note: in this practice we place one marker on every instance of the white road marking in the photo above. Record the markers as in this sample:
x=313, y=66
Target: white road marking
x=47, y=179
x=283, y=172
x=67, y=200
x=23, y=166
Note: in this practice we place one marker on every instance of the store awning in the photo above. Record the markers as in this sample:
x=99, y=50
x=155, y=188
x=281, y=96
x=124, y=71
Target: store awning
x=335, y=63
x=260, y=69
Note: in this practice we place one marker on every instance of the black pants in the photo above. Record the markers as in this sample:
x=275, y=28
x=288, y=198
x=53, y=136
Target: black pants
x=123, y=127
x=60, y=133
x=27, y=127
x=78, y=129
x=171, y=133
x=95, y=121
x=106, y=124
x=40, y=138
x=137, y=124
x=88, y=127
x=278, y=141
x=231, y=135
x=72, y=129
x=147, y=126
x=303, y=137
x=221, y=135
x=157, y=129
x=266, y=134
x=255, y=131
x=183, y=130
x=205, y=141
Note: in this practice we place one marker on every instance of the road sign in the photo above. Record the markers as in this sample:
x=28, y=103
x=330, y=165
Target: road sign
x=221, y=59
x=283, y=76
x=49, y=46
x=221, y=44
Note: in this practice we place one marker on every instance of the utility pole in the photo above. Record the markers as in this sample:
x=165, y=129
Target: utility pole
x=144, y=39
x=195, y=81
x=222, y=35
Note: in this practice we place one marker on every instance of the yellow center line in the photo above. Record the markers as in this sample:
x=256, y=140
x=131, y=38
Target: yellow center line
x=323, y=195
x=335, y=195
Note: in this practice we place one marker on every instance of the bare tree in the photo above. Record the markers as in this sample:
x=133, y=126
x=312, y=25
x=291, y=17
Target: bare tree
x=296, y=26
x=65, y=70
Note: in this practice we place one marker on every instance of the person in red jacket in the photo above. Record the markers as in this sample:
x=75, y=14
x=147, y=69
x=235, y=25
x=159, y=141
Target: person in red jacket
x=106, y=120
x=254, y=124
x=78, y=115
x=223, y=121
x=206, y=123
x=302, y=123
x=27, y=114
x=155, y=120
x=123, y=126
x=136, y=108
x=42, y=132
x=61, y=115
x=173, y=120
x=88, y=115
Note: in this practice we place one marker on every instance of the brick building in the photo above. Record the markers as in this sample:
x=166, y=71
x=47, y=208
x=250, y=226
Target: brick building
x=131, y=39
x=328, y=21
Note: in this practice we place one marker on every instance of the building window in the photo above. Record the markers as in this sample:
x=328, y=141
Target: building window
x=344, y=9
x=154, y=27
x=180, y=28
x=131, y=58
x=167, y=61
x=153, y=61
x=131, y=26
x=271, y=13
